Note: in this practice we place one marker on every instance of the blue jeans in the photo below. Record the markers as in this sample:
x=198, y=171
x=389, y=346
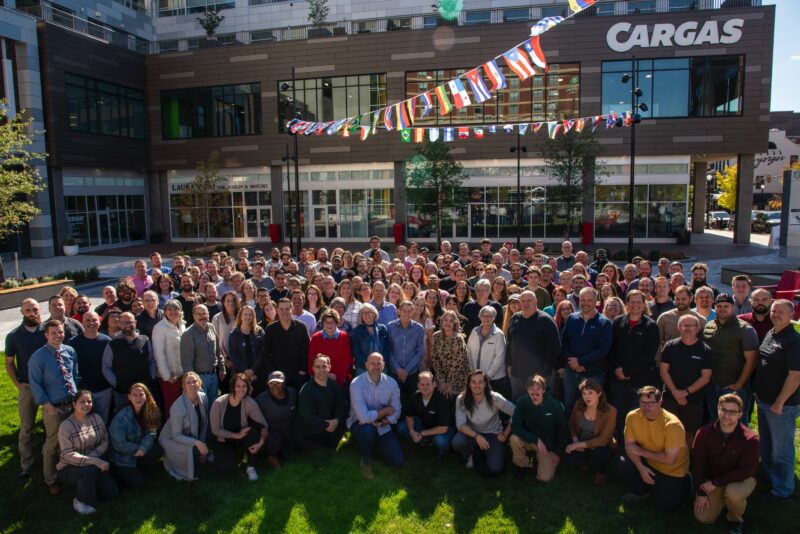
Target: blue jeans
x=713, y=393
x=389, y=444
x=777, y=446
x=210, y=386
x=442, y=441
x=571, y=382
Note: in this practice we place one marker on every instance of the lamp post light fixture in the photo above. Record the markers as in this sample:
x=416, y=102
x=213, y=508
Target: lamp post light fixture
x=519, y=149
x=709, y=191
x=636, y=93
x=296, y=115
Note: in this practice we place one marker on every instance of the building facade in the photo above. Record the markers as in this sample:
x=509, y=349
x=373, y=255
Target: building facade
x=122, y=175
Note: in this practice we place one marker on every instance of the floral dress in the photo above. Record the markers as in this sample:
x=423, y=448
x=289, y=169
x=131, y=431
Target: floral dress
x=449, y=359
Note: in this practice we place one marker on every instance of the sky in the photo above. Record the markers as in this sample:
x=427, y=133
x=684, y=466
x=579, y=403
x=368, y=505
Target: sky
x=786, y=56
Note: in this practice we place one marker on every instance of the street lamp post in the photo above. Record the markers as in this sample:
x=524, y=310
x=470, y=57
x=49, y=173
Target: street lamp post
x=519, y=150
x=287, y=158
x=296, y=115
x=636, y=119
x=709, y=189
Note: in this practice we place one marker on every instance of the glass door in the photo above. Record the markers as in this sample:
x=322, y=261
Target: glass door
x=252, y=222
x=265, y=219
x=103, y=228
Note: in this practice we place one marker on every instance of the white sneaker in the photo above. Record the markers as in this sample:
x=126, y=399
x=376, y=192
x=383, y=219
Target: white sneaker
x=81, y=508
x=469, y=462
x=252, y=476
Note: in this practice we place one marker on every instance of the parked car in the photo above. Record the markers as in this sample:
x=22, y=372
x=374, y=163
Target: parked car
x=719, y=219
x=765, y=221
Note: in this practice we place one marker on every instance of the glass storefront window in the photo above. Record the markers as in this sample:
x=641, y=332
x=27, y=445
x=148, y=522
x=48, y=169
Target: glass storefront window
x=99, y=220
x=104, y=108
x=229, y=110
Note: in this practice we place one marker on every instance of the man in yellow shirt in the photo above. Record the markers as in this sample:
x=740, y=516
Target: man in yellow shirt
x=657, y=455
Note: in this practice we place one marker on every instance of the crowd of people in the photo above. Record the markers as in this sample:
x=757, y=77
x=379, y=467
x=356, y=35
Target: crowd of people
x=644, y=368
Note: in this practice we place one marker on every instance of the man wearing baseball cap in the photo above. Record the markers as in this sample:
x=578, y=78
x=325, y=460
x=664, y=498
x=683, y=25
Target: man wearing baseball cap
x=278, y=404
x=734, y=350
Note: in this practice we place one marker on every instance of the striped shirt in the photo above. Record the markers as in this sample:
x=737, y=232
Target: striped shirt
x=82, y=443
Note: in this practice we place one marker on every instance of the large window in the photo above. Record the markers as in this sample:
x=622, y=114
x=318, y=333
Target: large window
x=99, y=220
x=678, y=87
x=226, y=110
x=659, y=210
x=169, y=8
x=104, y=108
x=327, y=99
x=551, y=96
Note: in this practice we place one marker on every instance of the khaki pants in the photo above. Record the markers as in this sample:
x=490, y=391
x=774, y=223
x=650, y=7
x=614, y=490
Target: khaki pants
x=545, y=467
x=50, y=452
x=733, y=497
x=27, y=421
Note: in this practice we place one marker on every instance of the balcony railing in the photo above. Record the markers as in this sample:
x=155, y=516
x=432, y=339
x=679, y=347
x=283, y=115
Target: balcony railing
x=103, y=33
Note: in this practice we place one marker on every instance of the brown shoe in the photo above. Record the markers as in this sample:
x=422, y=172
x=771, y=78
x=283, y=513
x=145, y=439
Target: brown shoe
x=274, y=462
x=599, y=479
x=366, y=471
x=54, y=489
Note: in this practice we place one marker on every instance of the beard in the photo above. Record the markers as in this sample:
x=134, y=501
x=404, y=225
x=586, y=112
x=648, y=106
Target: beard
x=31, y=321
x=83, y=309
x=760, y=309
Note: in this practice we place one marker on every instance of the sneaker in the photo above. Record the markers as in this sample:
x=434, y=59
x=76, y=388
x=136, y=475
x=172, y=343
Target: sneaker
x=366, y=471
x=469, y=463
x=25, y=473
x=81, y=508
x=736, y=528
x=54, y=489
x=634, y=497
x=252, y=476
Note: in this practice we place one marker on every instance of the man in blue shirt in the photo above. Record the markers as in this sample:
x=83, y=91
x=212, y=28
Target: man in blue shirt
x=374, y=408
x=386, y=310
x=89, y=347
x=585, y=344
x=21, y=343
x=408, y=349
x=53, y=375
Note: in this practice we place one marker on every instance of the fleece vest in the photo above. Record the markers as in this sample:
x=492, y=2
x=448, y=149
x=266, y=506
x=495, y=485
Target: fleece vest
x=130, y=362
x=727, y=354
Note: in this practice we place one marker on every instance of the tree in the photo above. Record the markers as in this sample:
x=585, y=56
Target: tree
x=204, y=186
x=434, y=179
x=727, y=183
x=210, y=21
x=572, y=160
x=19, y=174
x=318, y=12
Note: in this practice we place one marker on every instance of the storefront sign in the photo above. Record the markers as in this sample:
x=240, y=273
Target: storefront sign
x=623, y=36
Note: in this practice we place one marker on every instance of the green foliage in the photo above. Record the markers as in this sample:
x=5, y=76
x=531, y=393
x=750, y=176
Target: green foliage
x=434, y=179
x=46, y=278
x=210, y=21
x=10, y=283
x=727, y=183
x=318, y=12
x=571, y=160
x=19, y=172
x=29, y=282
x=203, y=186
x=80, y=276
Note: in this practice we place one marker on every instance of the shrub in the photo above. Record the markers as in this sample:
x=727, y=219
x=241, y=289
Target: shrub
x=29, y=282
x=46, y=278
x=10, y=283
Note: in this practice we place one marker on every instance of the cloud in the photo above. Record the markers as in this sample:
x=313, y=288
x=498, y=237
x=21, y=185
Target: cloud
x=795, y=57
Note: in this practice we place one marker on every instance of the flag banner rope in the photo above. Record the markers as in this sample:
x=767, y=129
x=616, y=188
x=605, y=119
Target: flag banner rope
x=523, y=60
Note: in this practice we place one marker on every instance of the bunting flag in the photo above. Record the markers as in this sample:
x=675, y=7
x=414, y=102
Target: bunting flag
x=537, y=126
x=419, y=135
x=405, y=135
x=463, y=133
x=522, y=128
x=375, y=119
x=445, y=106
x=552, y=129
x=519, y=64
x=579, y=5
x=579, y=124
x=508, y=128
x=387, y=119
x=545, y=24
x=411, y=108
x=478, y=133
x=459, y=92
x=433, y=135
x=534, y=50
x=364, y=132
x=495, y=76
x=477, y=85
x=427, y=102
x=346, y=132
x=448, y=135
x=492, y=129
x=596, y=122
x=355, y=124
x=402, y=116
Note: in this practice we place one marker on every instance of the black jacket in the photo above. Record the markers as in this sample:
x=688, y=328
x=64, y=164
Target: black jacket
x=634, y=349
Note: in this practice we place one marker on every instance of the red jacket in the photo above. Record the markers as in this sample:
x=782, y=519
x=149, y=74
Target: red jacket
x=720, y=462
x=338, y=350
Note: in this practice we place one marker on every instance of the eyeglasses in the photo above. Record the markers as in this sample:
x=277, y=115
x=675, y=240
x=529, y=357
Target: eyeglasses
x=723, y=411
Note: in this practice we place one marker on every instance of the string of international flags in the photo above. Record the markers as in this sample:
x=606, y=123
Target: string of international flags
x=523, y=60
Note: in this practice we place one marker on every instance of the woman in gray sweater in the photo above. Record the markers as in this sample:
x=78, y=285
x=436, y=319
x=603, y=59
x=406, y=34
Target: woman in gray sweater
x=481, y=438
x=184, y=435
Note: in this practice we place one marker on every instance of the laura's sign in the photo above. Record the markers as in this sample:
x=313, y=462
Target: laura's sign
x=623, y=36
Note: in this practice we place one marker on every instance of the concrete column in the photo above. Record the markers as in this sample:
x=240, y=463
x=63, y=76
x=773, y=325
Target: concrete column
x=744, y=198
x=700, y=185
x=587, y=209
x=154, y=201
x=400, y=205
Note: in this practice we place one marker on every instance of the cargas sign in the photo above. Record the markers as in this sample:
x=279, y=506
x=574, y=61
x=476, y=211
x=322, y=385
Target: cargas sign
x=623, y=36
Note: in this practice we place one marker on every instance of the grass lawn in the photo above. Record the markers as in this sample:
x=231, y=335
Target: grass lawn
x=325, y=493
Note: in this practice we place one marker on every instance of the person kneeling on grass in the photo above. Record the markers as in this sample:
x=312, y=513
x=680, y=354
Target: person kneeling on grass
x=83, y=440
x=321, y=409
x=133, y=437
x=658, y=458
x=183, y=437
x=428, y=416
x=726, y=455
x=591, y=426
x=481, y=437
x=240, y=427
x=540, y=426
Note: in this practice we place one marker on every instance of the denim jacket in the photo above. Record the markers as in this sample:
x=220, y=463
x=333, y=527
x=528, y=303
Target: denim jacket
x=127, y=437
x=363, y=344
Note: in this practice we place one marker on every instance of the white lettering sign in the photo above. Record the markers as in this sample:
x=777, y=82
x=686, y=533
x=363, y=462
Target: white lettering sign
x=623, y=36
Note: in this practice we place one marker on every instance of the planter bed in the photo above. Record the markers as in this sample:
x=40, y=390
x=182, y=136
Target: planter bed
x=11, y=298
